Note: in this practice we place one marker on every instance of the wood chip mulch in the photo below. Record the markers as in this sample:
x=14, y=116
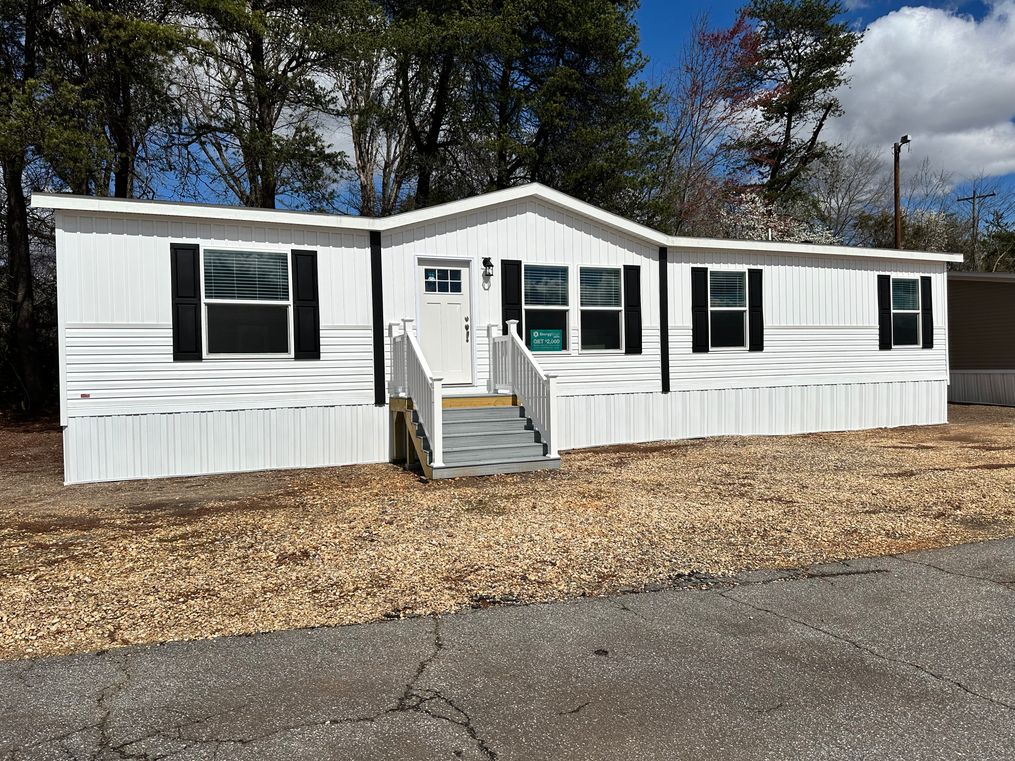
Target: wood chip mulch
x=92, y=567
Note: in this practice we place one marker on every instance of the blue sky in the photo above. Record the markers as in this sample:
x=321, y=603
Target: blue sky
x=943, y=72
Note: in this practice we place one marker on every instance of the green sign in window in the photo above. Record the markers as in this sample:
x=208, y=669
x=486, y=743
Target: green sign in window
x=541, y=339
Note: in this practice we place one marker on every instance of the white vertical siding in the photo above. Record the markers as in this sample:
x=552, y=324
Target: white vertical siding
x=536, y=233
x=588, y=421
x=115, y=447
x=982, y=387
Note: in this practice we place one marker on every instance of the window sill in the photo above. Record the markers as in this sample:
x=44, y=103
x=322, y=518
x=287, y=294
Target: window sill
x=261, y=357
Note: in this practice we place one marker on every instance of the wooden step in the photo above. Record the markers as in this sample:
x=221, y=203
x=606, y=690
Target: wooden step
x=478, y=400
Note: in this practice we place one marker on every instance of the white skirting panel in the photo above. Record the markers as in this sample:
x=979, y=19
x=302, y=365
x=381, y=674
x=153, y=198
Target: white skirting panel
x=115, y=447
x=588, y=421
x=982, y=387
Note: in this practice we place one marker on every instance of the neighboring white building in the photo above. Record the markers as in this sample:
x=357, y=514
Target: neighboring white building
x=201, y=339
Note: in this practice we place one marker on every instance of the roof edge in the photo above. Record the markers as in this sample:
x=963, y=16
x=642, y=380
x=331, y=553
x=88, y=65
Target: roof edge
x=537, y=191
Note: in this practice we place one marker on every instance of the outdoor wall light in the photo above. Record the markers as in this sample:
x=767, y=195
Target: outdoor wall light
x=487, y=266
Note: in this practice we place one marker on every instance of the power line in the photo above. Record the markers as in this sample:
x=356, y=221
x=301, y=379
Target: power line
x=976, y=220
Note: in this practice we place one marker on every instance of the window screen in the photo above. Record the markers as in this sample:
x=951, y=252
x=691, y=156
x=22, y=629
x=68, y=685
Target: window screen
x=248, y=329
x=599, y=287
x=246, y=276
x=728, y=289
x=905, y=295
x=545, y=286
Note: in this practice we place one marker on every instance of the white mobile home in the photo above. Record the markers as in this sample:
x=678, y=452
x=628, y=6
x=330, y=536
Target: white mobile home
x=480, y=336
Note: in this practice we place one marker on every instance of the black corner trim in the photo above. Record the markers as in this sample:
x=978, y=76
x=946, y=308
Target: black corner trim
x=377, y=300
x=884, y=312
x=755, y=312
x=926, y=312
x=699, y=309
x=186, y=296
x=664, y=321
x=511, y=292
x=306, y=306
x=632, y=309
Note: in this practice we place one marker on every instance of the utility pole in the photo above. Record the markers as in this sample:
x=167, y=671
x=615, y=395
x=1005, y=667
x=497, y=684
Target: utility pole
x=976, y=221
x=897, y=151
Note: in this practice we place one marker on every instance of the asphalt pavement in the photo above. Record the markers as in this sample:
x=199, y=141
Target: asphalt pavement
x=909, y=657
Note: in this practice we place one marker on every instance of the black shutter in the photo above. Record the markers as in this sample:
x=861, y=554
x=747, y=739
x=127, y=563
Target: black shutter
x=664, y=321
x=511, y=292
x=377, y=307
x=755, y=312
x=926, y=313
x=632, y=309
x=699, y=309
x=186, y=284
x=306, y=306
x=884, y=312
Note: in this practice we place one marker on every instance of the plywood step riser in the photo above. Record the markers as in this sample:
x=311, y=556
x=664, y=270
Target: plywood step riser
x=469, y=402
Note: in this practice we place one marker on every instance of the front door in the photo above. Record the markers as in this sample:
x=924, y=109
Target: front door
x=445, y=330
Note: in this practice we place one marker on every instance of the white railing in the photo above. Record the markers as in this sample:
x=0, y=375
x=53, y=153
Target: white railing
x=513, y=369
x=411, y=377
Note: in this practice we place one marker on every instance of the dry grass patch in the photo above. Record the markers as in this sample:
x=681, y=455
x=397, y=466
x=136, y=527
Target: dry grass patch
x=91, y=567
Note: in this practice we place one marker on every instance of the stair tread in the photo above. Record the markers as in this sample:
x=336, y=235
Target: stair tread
x=464, y=434
x=498, y=460
x=494, y=446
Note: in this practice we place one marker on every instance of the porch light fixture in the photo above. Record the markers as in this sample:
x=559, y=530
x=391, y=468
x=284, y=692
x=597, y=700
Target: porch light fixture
x=487, y=266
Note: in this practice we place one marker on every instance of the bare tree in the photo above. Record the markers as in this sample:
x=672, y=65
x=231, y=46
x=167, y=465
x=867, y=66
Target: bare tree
x=847, y=182
x=370, y=102
x=708, y=103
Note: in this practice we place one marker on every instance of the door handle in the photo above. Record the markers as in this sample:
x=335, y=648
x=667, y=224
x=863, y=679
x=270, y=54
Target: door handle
x=466, y=330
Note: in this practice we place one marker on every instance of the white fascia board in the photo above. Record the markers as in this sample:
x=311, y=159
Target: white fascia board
x=692, y=245
x=210, y=212
x=93, y=204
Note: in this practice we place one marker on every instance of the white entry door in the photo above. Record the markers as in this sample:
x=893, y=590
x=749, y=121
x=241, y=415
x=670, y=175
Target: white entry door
x=446, y=331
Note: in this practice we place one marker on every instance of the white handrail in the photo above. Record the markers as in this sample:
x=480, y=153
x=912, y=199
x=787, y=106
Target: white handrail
x=411, y=377
x=514, y=369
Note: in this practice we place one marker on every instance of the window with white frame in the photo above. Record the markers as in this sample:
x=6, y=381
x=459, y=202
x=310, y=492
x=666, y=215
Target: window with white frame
x=545, y=295
x=905, y=311
x=727, y=305
x=246, y=302
x=601, y=309
x=439, y=280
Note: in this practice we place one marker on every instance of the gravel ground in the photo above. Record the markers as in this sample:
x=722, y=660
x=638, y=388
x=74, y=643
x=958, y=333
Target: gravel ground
x=91, y=567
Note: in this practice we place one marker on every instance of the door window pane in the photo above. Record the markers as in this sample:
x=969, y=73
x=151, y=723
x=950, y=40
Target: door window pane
x=441, y=280
x=728, y=329
x=600, y=330
x=546, y=329
x=248, y=329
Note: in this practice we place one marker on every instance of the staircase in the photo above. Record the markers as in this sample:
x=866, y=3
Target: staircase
x=474, y=435
x=496, y=437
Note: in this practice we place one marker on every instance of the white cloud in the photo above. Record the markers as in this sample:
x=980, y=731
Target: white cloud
x=947, y=80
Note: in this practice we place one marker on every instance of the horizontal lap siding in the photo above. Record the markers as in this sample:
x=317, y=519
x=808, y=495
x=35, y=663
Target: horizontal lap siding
x=116, y=334
x=106, y=448
x=982, y=387
x=598, y=420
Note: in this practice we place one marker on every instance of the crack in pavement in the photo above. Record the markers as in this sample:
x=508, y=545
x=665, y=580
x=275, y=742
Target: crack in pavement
x=1008, y=586
x=574, y=710
x=412, y=700
x=871, y=651
x=424, y=700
